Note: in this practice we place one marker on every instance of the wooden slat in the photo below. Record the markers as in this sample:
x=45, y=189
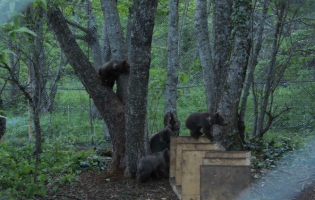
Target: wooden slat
x=226, y=161
x=192, y=146
x=228, y=154
x=191, y=173
x=224, y=182
x=182, y=140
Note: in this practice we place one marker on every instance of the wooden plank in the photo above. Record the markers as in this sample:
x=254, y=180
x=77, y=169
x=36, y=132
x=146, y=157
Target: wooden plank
x=182, y=140
x=175, y=188
x=224, y=182
x=192, y=146
x=191, y=172
x=228, y=154
x=226, y=161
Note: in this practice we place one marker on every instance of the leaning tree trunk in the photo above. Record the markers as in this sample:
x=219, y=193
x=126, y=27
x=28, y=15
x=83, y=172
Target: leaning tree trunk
x=136, y=109
x=172, y=64
x=202, y=35
x=222, y=25
x=233, y=88
x=106, y=101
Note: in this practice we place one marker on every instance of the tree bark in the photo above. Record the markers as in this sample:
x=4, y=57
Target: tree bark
x=37, y=57
x=3, y=122
x=172, y=58
x=235, y=79
x=132, y=10
x=106, y=54
x=14, y=64
x=106, y=101
x=222, y=48
x=136, y=110
x=117, y=43
x=205, y=55
x=93, y=41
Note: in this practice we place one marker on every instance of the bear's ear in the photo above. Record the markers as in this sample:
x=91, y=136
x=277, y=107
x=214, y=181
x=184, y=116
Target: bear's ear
x=216, y=115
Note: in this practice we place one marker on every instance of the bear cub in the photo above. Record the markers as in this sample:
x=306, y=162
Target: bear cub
x=155, y=166
x=205, y=120
x=161, y=140
x=111, y=70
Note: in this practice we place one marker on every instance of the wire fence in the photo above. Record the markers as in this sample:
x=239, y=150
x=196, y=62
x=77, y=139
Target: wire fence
x=70, y=121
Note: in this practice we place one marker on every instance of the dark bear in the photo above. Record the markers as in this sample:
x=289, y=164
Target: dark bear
x=111, y=70
x=155, y=166
x=171, y=121
x=161, y=140
x=196, y=121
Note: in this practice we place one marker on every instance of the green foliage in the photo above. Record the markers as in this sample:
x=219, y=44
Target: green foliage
x=272, y=148
x=41, y=3
x=4, y=55
x=58, y=165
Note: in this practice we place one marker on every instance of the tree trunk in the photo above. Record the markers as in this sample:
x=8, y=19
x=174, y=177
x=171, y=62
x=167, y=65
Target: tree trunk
x=132, y=10
x=93, y=41
x=106, y=101
x=37, y=56
x=136, y=110
x=233, y=88
x=253, y=61
x=106, y=54
x=2, y=119
x=14, y=90
x=270, y=73
x=222, y=48
x=54, y=86
x=172, y=64
x=205, y=55
x=117, y=43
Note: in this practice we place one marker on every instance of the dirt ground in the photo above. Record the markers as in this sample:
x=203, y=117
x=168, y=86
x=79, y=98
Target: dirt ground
x=100, y=186
x=94, y=185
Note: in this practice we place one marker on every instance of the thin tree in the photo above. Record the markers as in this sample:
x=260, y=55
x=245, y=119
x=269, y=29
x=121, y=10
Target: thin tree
x=205, y=54
x=172, y=59
x=253, y=61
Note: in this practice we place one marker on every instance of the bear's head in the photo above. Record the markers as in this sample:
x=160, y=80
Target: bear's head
x=217, y=119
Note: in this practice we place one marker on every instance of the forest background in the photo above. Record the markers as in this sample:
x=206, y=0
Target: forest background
x=278, y=93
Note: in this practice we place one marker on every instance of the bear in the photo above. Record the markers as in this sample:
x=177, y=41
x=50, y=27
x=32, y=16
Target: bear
x=171, y=121
x=111, y=70
x=155, y=166
x=161, y=140
x=204, y=120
